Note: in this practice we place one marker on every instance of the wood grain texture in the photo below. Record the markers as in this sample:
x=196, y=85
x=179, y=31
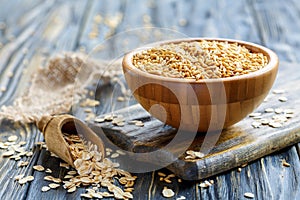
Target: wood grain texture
x=32, y=25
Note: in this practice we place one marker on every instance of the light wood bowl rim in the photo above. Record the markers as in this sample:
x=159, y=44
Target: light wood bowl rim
x=272, y=64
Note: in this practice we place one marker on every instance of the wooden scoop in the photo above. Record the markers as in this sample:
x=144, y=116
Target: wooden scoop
x=53, y=128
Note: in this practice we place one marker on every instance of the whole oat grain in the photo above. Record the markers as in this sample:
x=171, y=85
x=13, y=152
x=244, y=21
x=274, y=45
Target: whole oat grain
x=199, y=60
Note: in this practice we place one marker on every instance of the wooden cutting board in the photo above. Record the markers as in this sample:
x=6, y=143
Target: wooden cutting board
x=237, y=145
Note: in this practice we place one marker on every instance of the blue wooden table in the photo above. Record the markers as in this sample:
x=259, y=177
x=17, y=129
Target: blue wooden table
x=32, y=31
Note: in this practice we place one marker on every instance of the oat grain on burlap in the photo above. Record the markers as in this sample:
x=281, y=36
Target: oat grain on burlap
x=54, y=89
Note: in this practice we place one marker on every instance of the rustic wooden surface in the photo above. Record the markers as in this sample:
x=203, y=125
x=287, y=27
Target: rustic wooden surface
x=37, y=29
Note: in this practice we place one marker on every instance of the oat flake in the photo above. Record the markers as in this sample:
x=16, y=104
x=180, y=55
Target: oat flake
x=45, y=188
x=249, y=195
x=167, y=192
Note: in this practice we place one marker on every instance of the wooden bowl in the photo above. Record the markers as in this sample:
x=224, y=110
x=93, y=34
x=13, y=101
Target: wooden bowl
x=210, y=104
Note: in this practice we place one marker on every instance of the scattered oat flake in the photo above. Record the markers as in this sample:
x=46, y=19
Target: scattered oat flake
x=68, y=176
x=167, y=180
x=30, y=178
x=12, y=138
x=283, y=99
x=181, y=198
x=89, y=102
x=48, y=178
x=72, y=172
x=128, y=189
x=278, y=110
x=18, y=177
x=266, y=99
x=53, y=155
x=285, y=164
x=72, y=189
x=120, y=152
x=54, y=185
x=99, y=120
x=289, y=116
x=289, y=111
x=139, y=123
x=255, y=114
x=3, y=146
x=40, y=143
x=198, y=154
x=48, y=171
x=207, y=182
x=244, y=165
x=3, y=89
x=264, y=121
x=45, y=188
x=269, y=110
x=275, y=124
x=114, y=155
x=15, y=157
x=65, y=165
x=167, y=192
x=256, y=124
x=39, y=168
x=22, y=181
x=86, y=195
x=120, y=124
x=8, y=153
x=21, y=143
x=132, y=121
x=85, y=180
x=120, y=99
x=161, y=174
x=170, y=176
x=98, y=19
x=9, y=74
x=249, y=195
x=88, y=110
x=23, y=163
x=56, y=180
x=28, y=154
x=20, y=150
x=26, y=179
x=278, y=91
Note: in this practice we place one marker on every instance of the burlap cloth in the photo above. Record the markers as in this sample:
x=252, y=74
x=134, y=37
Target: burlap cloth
x=55, y=88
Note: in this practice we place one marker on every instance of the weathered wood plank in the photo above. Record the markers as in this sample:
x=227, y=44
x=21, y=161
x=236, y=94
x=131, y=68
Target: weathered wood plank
x=64, y=31
x=17, y=54
x=20, y=13
x=9, y=169
x=264, y=178
x=62, y=26
x=279, y=24
x=279, y=33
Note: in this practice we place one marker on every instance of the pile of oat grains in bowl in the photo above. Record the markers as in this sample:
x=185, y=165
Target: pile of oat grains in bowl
x=199, y=60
